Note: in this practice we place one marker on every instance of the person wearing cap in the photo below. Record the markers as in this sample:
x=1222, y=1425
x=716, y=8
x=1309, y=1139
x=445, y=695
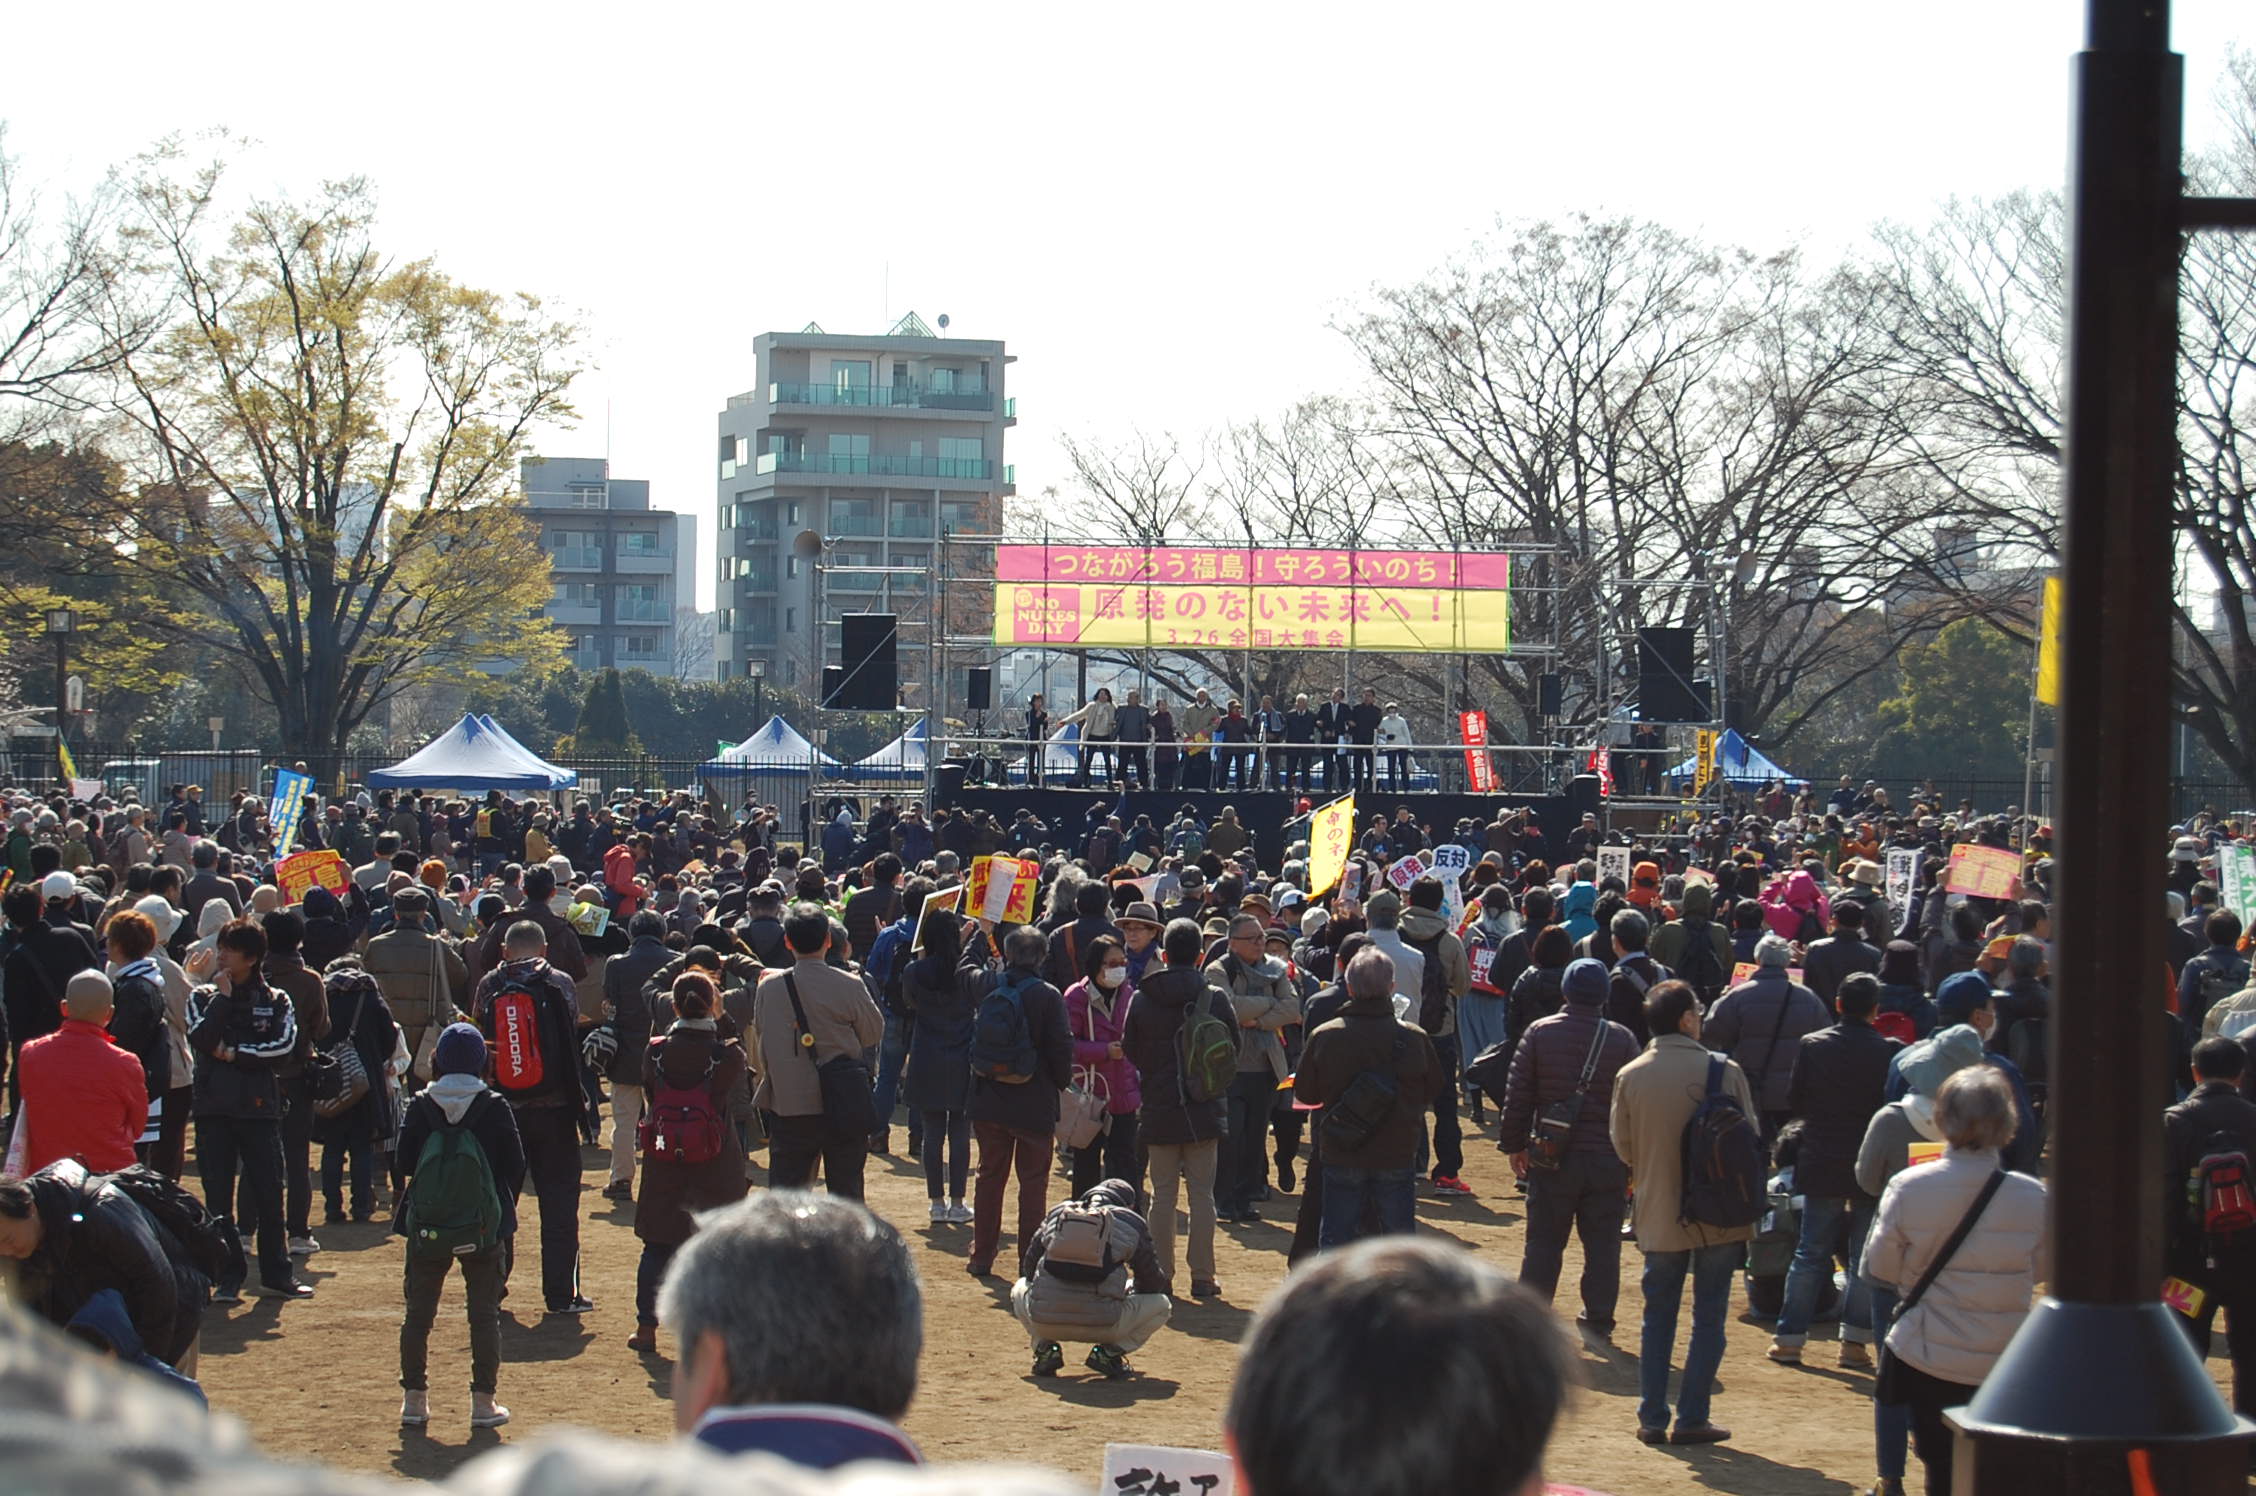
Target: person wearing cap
x=2185, y=864
x=1585, y=1189
x=1966, y=1000
x=1191, y=883
x=458, y=1097
x=1139, y=937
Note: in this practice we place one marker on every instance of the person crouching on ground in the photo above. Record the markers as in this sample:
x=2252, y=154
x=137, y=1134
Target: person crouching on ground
x=1091, y=1273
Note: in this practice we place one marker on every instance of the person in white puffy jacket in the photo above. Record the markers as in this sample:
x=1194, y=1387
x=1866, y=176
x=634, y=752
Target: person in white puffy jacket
x=1949, y=1340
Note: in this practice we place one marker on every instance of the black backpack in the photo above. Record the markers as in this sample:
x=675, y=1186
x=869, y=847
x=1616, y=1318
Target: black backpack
x=206, y=1241
x=1697, y=963
x=1366, y=1103
x=1725, y=1181
x=1810, y=929
x=1002, y=1043
x=1433, y=990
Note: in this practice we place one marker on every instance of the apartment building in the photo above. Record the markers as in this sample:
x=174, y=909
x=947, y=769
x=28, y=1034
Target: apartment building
x=840, y=471
x=619, y=569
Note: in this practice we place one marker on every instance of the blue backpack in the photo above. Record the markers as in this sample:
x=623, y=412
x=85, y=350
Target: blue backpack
x=1002, y=1045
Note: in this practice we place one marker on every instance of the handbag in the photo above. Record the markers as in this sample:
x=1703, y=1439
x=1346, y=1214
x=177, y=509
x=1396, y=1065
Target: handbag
x=1555, y=1122
x=337, y=1079
x=845, y=1080
x=1887, y=1377
x=441, y=1000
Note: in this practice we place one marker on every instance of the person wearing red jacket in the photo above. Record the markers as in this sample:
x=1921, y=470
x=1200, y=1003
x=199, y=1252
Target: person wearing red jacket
x=620, y=865
x=83, y=1097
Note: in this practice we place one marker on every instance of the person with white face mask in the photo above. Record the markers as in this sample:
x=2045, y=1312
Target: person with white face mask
x=1096, y=1009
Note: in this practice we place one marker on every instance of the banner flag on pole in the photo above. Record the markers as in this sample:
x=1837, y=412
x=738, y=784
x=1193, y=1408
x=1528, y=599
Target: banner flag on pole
x=1331, y=835
x=2048, y=643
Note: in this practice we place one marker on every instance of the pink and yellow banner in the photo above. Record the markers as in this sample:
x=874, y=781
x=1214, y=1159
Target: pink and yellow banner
x=1405, y=602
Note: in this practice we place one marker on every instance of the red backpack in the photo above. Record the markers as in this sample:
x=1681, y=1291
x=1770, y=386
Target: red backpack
x=1896, y=1026
x=517, y=1062
x=683, y=1127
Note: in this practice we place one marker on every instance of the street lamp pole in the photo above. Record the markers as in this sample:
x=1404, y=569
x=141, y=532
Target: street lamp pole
x=61, y=624
x=758, y=670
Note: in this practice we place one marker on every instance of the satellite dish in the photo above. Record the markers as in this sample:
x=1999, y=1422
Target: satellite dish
x=943, y=321
x=807, y=545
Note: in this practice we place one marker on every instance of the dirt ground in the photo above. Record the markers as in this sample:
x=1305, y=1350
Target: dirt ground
x=318, y=1379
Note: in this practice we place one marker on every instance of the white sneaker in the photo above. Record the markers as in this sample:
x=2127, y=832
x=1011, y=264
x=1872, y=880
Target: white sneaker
x=960, y=1213
x=485, y=1412
x=303, y=1246
x=941, y=1214
x=415, y=1409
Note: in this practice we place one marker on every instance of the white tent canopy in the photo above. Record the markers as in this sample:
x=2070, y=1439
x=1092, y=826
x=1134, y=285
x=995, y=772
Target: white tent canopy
x=474, y=754
x=777, y=748
x=903, y=758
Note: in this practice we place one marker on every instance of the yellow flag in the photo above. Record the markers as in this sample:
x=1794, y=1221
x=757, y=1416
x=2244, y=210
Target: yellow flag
x=1704, y=767
x=62, y=751
x=1331, y=835
x=2048, y=644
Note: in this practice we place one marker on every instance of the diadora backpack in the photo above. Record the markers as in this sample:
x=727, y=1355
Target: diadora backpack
x=517, y=1062
x=1724, y=1174
x=1002, y=1046
x=453, y=1205
x=683, y=1126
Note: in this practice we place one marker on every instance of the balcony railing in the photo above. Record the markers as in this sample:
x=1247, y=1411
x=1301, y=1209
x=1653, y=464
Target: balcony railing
x=879, y=465
x=760, y=580
x=642, y=612
x=642, y=561
x=577, y=558
x=914, y=525
x=854, y=524
x=881, y=396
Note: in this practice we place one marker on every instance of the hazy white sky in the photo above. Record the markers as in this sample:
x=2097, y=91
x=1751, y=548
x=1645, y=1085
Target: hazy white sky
x=1161, y=208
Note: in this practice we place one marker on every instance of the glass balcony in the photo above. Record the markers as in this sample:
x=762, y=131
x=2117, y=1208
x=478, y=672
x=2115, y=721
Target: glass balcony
x=913, y=524
x=1010, y=408
x=577, y=558
x=758, y=579
x=879, y=465
x=854, y=524
x=643, y=612
x=881, y=397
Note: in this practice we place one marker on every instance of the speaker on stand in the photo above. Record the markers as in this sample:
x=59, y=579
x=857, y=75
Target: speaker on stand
x=979, y=696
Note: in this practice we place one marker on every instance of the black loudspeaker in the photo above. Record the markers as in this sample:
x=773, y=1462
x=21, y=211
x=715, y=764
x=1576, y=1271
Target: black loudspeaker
x=867, y=645
x=834, y=677
x=979, y=688
x=1550, y=695
x=1665, y=692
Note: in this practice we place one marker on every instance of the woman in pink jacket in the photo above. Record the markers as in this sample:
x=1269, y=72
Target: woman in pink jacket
x=1096, y=1010
x=1789, y=905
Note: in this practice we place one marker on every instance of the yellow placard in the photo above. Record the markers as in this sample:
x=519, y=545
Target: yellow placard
x=1925, y=1153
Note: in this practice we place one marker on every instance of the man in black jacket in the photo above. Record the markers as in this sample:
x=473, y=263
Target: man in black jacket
x=1363, y=731
x=1016, y=1124
x=241, y=1037
x=41, y=961
x=1068, y=944
x=548, y=1107
x=628, y=1007
x=1180, y=1135
x=2215, y=1119
x=1635, y=972
x=1588, y=1188
x=1840, y=1079
x=1839, y=954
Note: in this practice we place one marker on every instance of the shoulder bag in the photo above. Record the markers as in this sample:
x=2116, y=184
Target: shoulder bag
x=1084, y=1109
x=1887, y=1379
x=351, y=1085
x=845, y=1080
x=1554, y=1123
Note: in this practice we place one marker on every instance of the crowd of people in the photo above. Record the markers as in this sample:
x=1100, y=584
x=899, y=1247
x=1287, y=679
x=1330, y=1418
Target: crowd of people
x=1749, y=1056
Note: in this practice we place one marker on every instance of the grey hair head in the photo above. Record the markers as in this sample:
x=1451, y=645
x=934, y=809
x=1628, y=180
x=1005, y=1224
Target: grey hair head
x=1371, y=974
x=204, y=854
x=1065, y=891
x=814, y=1299
x=1025, y=946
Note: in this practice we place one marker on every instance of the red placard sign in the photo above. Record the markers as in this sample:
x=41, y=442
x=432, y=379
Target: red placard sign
x=1480, y=769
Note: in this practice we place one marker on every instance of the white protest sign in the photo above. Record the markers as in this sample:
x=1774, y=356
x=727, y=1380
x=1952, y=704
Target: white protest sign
x=1406, y=872
x=2236, y=880
x=1156, y=1470
x=1451, y=861
x=1903, y=876
x=1613, y=862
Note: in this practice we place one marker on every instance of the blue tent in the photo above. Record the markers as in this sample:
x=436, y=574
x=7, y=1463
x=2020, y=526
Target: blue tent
x=474, y=754
x=1740, y=762
x=777, y=748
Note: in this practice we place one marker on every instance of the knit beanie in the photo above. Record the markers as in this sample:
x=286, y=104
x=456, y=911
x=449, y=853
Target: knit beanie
x=461, y=1050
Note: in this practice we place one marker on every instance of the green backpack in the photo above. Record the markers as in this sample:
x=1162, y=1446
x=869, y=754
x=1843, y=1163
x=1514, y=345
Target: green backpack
x=453, y=1206
x=1206, y=1052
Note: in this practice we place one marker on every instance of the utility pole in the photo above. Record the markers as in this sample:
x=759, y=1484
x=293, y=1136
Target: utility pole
x=2100, y=1391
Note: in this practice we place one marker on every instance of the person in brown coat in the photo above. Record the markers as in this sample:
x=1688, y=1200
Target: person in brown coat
x=691, y=1056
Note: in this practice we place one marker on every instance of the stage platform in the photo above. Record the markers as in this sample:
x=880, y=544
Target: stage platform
x=1068, y=811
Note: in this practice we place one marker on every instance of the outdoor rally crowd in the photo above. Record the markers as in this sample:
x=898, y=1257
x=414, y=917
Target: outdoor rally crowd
x=1746, y=1049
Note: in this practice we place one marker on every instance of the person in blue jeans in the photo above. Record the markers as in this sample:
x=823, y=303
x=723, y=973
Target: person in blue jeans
x=1654, y=1096
x=1840, y=1081
x=1374, y=1076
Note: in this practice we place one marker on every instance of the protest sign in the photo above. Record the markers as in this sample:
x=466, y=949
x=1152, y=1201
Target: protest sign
x=1480, y=769
x=1745, y=972
x=1406, y=872
x=287, y=808
x=1903, y=876
x=1351, y=882
x=88, y=790
x=1982, y=872
x=1613, y=862
x=590, y=920
x=1140, y=861
x=1451, y=861
x=939, y=901
x=1482, y=960
x=1002, y=889
x=303, y=870
x=1156, y=1470
x=2236, y=881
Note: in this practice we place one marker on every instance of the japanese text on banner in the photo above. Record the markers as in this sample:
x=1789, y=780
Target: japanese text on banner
x=1480, y=769
x=1331, y=836
x=1982, y=872
x=287, y=809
